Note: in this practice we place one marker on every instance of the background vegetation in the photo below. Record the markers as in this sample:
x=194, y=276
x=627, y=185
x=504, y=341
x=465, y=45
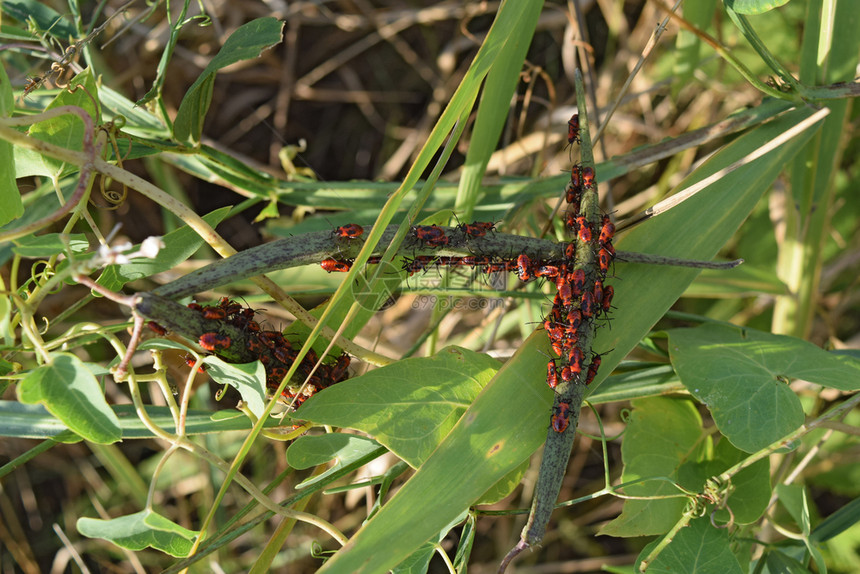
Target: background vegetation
x=339, y=116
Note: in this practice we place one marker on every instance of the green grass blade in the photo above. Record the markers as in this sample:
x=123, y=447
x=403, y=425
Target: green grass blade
x=493, y=110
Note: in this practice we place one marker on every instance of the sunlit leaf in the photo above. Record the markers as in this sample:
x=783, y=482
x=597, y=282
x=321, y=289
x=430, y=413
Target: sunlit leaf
x=144, y=529
x=72, y=394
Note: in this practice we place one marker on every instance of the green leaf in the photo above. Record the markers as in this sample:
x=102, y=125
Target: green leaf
x=50, y=244
x=44, y=17
x=505, y=486
x=247, y=42
x=144, y=529
x=179, y=245
x=11, y=206
x=344, y=449
x=419, y=561
x=67, y=130
x=408, y=406
x=662, y=434
x=71, y=393
x=492, y=438
x=741, y=375
x=793, y=498
x=753, y=7
x=248, y=378
x=697, y=549
x=492, y=115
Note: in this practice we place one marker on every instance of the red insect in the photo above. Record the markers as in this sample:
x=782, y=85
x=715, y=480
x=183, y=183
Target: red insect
x=431, y=235
x=570, y=250
x=214, y=341
x=598, y=292
x=334, y=265
x=592, y=369
x=477, y=228
x=565, y=292
x=576, y=177
x=604, y=259
x=276, y=338
x=575, y=359
x=244, y=319
x=574, y=318
x=577, y=281
x=587, y=177
x=349, y=231
x=158, y=329
x=607, y=231
x=573, y=190
x=230, y=307
x=420, y=263
x=285, y=355
x=496, y=268
x=608, y=293
x=248, y=324
x=191, y=361
x=557, y=346
x=474, y=260
x=214, y=313
x=195, y=306
x=587, y=305
x=561, y=417
x=570, y=219
x=524, y=268
x=546, y=271
x=276, y=375
x=584, y=232
x=339, y=369
x=556, y=334
x=573, y=129
x=255, y=346
x=551, y=374
x=566, y=374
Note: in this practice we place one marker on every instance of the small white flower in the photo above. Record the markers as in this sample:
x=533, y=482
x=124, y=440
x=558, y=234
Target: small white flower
x=150, y=247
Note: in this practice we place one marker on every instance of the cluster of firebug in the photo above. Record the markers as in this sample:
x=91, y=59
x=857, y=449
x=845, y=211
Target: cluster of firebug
x=577, y=303
x=271, y=348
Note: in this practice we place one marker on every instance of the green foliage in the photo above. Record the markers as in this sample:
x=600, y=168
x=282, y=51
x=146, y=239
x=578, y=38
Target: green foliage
x=10, y=198
x=397, y=407
x=71, y=393
x=244, y=44
x=144, y=529
x=741, y=375
x=734, y=402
